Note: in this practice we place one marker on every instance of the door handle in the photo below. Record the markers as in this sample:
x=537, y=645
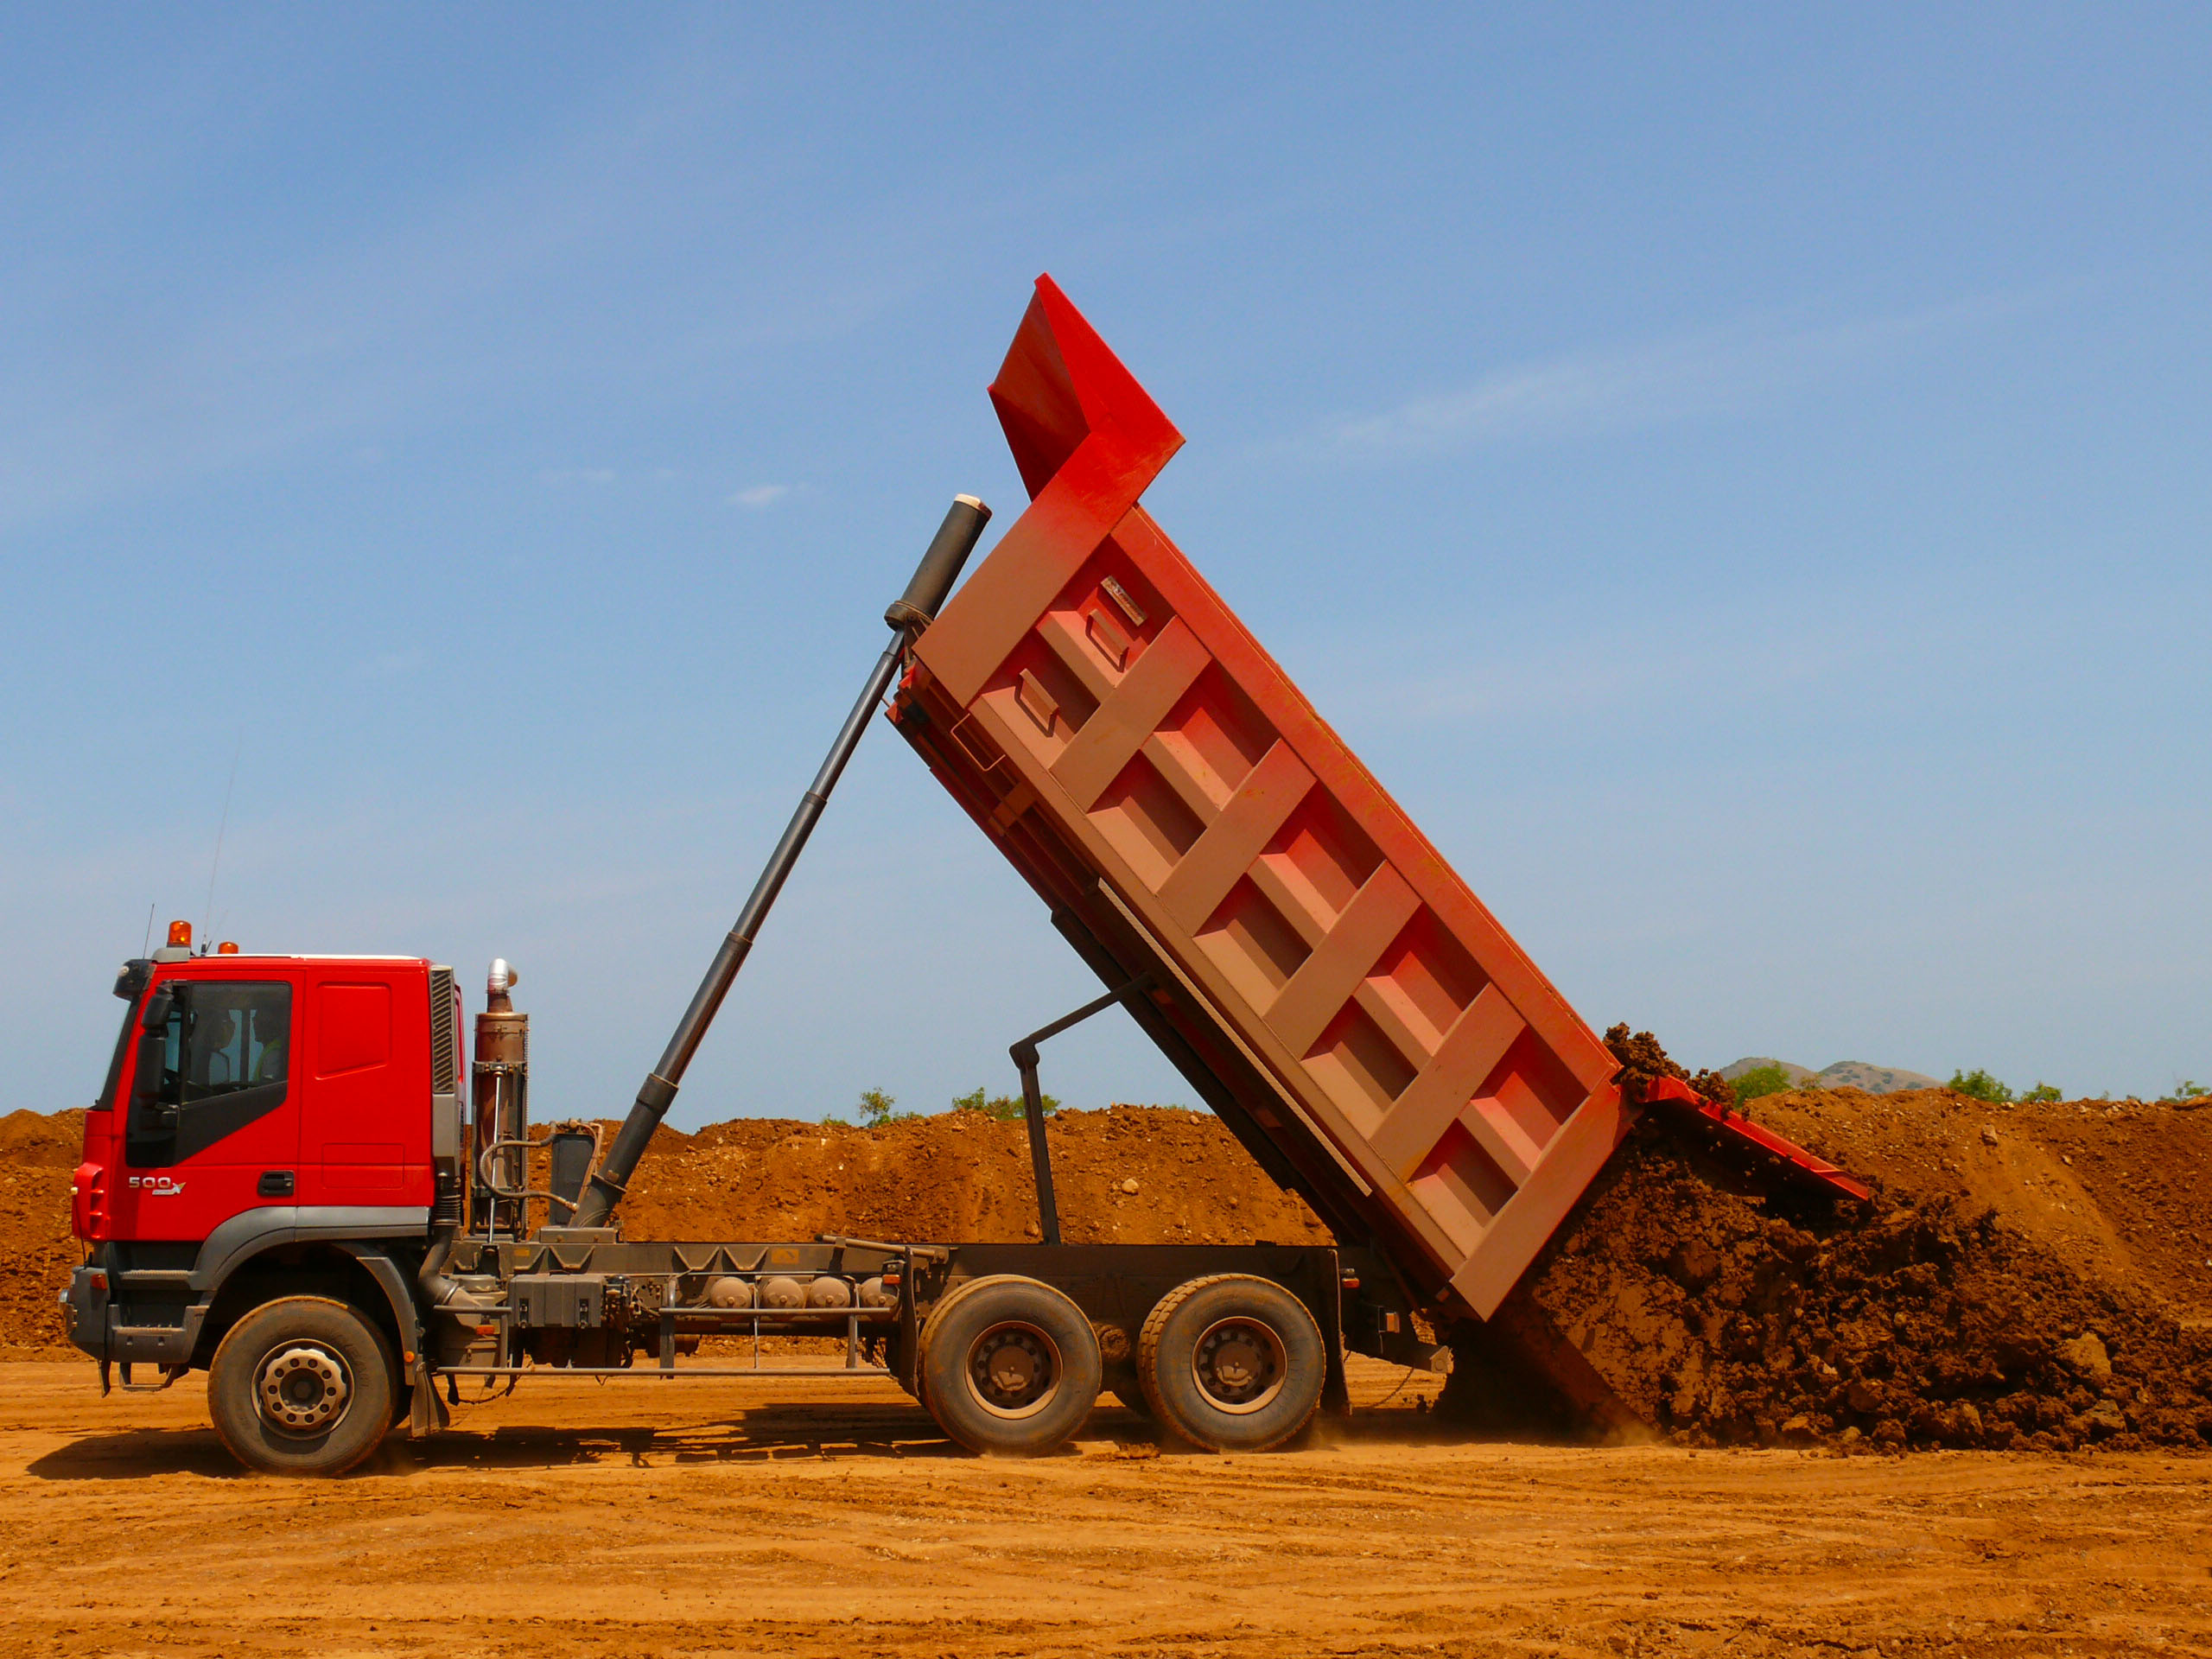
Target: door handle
x=275, y=1184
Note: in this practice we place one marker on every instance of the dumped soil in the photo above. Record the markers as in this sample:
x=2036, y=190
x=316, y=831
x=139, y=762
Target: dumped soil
x=1644, y=1062
x=1727, y=1315
x=2027, y=1276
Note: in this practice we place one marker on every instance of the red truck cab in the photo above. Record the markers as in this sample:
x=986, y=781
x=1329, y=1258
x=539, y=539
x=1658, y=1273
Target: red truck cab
x=252, y=1103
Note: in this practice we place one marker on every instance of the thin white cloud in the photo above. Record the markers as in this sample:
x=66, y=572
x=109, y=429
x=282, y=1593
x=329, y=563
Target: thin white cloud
x=1713, y=372
x=434, y=313
x=761, y=495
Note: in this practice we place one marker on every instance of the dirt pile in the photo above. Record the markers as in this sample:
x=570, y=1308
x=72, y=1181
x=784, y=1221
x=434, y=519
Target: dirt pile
x=1126, y=1175
x=37, y=1153
x=2006, y=1287
x=2116, y=1188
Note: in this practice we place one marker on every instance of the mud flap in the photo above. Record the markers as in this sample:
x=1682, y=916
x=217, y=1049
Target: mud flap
x=428, y=1412
x=1335, y=1391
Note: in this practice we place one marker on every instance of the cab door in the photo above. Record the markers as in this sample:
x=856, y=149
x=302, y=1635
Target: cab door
x=365, y=1128
x=211, y=1124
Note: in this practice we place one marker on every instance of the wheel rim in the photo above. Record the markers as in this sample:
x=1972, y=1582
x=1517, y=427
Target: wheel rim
x=1239, y=1365
x=301, y=1389
x=1014, y=1369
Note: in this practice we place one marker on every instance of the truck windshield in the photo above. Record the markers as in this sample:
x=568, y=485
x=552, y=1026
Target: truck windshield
x=106, y=1102
x=130, y=982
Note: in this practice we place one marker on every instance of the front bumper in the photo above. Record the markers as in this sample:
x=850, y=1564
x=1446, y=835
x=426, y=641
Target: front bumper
x=86, y=1300
x=125, y=1336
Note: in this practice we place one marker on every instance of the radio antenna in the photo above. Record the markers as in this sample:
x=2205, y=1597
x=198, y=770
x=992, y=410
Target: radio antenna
x=149, y=944
x=207, y=916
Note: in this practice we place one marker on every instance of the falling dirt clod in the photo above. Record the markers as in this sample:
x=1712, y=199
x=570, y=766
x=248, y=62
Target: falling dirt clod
x=1643, y=1061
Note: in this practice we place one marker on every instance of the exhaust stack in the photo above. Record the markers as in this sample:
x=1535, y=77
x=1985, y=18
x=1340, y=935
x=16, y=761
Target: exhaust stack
x=501, y=1111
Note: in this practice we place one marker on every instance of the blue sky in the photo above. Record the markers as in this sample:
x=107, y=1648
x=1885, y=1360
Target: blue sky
x=1739, y=478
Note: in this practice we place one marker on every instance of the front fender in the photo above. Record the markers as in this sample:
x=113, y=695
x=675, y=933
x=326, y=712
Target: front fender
x=398, y=1291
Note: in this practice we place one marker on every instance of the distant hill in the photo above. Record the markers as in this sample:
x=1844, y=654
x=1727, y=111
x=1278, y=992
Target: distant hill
x=1844, y=1074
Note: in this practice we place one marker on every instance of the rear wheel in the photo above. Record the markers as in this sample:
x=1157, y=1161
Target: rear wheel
x=1232, y=1363
x=1009, y=1366
x=303, y=1385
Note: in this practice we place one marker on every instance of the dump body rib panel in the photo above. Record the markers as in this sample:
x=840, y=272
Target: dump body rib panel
x=1359, y=1014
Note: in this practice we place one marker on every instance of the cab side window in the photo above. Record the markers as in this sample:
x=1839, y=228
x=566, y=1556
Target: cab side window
x=236, y=1036
x=224, y=1056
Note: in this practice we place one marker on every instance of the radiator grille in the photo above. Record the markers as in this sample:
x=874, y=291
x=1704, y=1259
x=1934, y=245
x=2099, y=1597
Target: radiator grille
x=445, y=1034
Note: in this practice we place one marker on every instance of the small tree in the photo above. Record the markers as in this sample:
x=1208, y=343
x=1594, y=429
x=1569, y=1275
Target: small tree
x=1006, y=1108
x=1978, y=1085
x=2043, y=1091
x=1763, y=1080
x=876, y=1109
x=2188, y=1089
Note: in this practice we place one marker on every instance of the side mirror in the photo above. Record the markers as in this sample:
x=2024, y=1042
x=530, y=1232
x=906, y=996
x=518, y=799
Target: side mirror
x=146, y=1082
x=155, y=1015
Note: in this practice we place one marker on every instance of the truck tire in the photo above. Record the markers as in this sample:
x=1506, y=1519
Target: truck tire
x=1232, y=1363
x=1009, y=1366
x=303, y=1386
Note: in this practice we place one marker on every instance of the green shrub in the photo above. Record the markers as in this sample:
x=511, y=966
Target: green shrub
x=1978, y=1085
x=1006, y=1108
x=877, y=1109
x=1762, y=1080
x=2188, y=1089
x=2043, y=1091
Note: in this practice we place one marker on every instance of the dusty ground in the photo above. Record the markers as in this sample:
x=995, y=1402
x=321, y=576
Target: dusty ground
x=712, y=1518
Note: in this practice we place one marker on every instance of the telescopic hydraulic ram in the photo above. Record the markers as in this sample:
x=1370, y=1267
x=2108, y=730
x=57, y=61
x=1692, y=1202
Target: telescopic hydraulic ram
x=913, y=611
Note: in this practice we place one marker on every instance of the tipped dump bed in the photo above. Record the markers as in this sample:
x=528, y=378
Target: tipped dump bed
x=1319, y=972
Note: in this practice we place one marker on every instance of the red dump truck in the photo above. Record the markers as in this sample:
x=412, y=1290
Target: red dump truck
x=293, y=1179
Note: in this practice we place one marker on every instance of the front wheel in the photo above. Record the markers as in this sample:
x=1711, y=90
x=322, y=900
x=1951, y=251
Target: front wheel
x=1232, y=1363
x=1009, y=1366
x=303, y=1386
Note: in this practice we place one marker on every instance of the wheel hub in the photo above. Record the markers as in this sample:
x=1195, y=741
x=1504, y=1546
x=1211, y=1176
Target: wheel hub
x=1239, y=1365
x=301, y=1389
x=1012, y=1370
